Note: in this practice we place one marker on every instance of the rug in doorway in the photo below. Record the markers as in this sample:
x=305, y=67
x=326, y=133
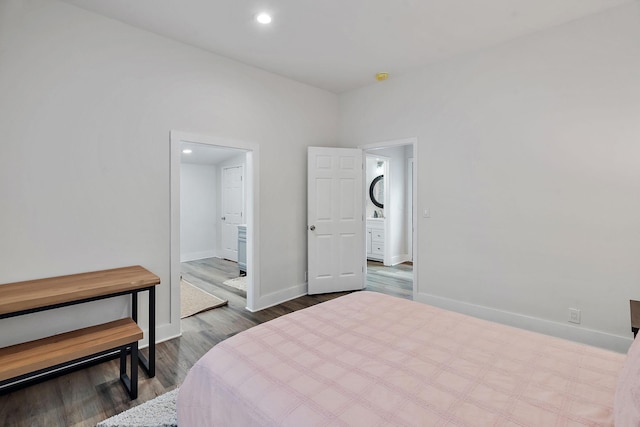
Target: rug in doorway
x=238, y=283
x=158, y=412
x=194, y=300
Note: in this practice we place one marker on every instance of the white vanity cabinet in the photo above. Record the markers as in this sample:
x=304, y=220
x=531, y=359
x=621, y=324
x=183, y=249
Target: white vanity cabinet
x=375, y=239
x=242, y=249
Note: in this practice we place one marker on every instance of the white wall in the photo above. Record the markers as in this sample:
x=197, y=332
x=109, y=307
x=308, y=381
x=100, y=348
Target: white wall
x=199, y=189
x=529, y=164
x=86, y=109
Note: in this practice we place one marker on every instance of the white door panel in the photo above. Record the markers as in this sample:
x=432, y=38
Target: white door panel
x=335, y=221
x=232, y=209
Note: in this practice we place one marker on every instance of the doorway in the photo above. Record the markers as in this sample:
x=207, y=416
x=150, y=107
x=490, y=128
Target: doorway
x=390, y=223
x=336, y=201
x=206, y=262
x=212, y=205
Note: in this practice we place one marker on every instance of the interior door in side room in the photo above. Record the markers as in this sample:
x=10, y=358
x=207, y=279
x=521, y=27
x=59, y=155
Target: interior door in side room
x=232, y=209
x=335, y=228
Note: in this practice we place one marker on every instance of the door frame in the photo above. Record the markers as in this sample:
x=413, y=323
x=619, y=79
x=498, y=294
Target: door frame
x=252, y=172
x=411, y=219
x=413, y=141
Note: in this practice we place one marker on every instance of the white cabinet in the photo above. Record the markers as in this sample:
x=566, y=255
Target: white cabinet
x=375, y=239
x=242, y=249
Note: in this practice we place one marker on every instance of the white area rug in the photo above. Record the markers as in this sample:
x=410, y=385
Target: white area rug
x=238, y=283
x=194, y=300
x=158, y=412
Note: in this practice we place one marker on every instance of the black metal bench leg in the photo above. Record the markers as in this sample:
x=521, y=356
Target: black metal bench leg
x=130, y=382
x=123, y=362
x=134, y=371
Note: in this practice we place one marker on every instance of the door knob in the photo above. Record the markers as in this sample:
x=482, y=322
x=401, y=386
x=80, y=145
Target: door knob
x=223, y=218
x=313, y=227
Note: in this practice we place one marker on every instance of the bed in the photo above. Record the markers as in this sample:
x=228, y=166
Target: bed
x=368, y=359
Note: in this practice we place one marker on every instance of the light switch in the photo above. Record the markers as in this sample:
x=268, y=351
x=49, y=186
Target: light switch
x=426, y=213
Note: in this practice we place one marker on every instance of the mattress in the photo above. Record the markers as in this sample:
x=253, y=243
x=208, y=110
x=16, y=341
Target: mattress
x=368, y=359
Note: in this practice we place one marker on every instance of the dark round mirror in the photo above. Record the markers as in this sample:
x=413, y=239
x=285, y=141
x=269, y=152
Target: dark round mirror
x=376, y=191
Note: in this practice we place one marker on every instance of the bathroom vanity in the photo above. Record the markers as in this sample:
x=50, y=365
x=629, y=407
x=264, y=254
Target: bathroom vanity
x=375, y=239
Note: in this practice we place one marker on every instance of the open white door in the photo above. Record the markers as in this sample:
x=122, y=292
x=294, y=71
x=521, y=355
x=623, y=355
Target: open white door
x=336, y=245
x=232, y=209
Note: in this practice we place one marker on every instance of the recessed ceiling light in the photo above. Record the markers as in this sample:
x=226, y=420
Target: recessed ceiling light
x=263, y=18
x=187, y=151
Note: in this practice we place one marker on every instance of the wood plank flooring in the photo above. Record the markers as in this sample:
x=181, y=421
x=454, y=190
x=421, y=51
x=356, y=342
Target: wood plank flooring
x=396, y=280
x=88, y=396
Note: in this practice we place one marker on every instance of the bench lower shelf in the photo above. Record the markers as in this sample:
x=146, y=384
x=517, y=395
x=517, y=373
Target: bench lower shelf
x=32, y=358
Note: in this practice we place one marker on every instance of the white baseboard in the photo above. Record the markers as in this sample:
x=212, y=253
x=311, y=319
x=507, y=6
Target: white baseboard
x=269, y=300
x=608, y=341
x=193, y=256
x=399, y=259
x=164, y=332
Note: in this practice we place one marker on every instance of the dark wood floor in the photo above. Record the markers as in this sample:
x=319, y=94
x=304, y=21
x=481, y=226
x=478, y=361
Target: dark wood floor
x=209, y=275
x=88, y=396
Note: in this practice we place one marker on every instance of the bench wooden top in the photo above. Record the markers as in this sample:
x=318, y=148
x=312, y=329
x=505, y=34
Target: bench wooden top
x=33, y=294
x=44, y=353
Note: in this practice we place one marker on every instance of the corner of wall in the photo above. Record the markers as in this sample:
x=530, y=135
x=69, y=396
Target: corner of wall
x=275, y=298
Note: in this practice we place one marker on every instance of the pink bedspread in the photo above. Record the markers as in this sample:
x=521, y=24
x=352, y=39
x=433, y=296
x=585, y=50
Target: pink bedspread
x=369, y=359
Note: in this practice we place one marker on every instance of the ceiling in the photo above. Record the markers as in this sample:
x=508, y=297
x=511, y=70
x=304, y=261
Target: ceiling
x=339, y=45
x=203, y=154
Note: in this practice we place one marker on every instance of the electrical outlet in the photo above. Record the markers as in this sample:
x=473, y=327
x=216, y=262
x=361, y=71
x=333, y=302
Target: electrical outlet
x=574, y=315
x=305, y=276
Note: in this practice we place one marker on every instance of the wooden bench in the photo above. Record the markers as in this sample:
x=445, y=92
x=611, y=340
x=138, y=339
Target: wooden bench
x=35, y=360
x=35, y=357
x=635, y=316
